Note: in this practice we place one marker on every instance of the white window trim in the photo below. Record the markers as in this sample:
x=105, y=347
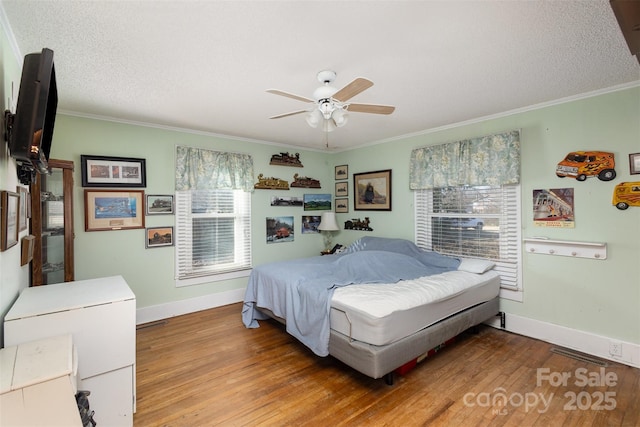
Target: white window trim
x=514, y=293
x=223, y=274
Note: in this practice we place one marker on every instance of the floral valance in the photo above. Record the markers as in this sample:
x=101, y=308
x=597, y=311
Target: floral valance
x=488, y=160
x=200, y=169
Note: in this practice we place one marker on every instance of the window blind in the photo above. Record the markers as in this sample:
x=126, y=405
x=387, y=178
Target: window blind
x=213, y=232
x=474, y=222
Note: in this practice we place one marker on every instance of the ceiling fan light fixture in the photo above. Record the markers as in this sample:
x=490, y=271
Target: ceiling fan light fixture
x=331, y=107
x=324, y=92
x=314, y=118
x=326, y=108
x=340, y=117
x=328, y=125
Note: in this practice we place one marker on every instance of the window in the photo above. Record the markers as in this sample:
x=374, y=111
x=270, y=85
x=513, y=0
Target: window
x=213, y=215
x=475, y=222
x=213, y=235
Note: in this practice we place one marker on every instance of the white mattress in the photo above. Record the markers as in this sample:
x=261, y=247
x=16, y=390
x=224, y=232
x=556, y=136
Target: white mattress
x=380, y=314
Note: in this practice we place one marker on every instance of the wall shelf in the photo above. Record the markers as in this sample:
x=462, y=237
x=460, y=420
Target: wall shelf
x=566, y=248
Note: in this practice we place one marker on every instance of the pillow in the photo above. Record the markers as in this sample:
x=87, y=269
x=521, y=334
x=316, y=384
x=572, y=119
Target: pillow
x=474, y=265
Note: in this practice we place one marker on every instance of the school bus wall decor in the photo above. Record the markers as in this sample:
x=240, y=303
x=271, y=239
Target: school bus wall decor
x=626, y=194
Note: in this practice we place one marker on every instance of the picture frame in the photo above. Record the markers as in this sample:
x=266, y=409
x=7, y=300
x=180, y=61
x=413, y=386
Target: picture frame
x=106, y=210
x=316, y=202
x=342, y=189
x=280, y=229
x=25, y=207
x=9, y=212
x=342, y=205
x=341, y=172
x=106, y=171
x=309, y=224
x=159, y=204
x=26, y=255
x=634, y=163
x=372, y=191
x=156, y=237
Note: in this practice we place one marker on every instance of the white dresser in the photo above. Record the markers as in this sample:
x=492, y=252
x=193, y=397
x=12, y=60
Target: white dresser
x=100, y=314
x=38, y=384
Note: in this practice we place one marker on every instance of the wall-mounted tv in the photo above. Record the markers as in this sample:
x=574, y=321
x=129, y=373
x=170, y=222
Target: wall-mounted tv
x=30, y=129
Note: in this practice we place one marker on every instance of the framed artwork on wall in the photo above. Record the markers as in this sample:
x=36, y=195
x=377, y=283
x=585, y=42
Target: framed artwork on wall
x=25, y=207
x=634, y=163
x=159, y=204
x=280, y=229
x=106, y=210
x=158, y=236
x=310, y=224
x=316, y=202
x=372, y=191
x=342, y=205
x=104, y=171
x=341, y=172
x=9, y=210
x=342, y=189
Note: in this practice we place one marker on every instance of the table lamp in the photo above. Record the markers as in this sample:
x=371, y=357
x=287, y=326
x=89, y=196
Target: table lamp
x=327, y=226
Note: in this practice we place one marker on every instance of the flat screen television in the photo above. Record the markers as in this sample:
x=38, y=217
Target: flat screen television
x=31, y=128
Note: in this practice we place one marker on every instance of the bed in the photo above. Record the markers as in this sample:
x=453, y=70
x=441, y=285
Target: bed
x=377, y=306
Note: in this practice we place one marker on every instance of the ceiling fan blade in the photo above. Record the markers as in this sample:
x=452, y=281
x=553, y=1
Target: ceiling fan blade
x=290, y=95
x=352, y=89
x=371, y=108
x=293, y=113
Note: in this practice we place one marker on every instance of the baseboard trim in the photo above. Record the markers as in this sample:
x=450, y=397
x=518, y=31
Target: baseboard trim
x=177, y=308
x=585, y=342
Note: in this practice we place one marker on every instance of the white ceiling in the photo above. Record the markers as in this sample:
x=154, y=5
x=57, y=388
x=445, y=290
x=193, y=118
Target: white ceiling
x=206, y=65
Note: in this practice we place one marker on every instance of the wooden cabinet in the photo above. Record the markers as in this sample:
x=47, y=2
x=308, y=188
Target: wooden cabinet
x=52, y=225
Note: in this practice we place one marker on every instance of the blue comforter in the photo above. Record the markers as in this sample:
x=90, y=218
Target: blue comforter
x=300, y=290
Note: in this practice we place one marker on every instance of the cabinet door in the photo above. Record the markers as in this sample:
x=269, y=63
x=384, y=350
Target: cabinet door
x=111, y=397
x=52, y=225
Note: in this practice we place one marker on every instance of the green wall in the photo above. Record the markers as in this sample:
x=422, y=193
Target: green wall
x=150, y=272
x=601, y=297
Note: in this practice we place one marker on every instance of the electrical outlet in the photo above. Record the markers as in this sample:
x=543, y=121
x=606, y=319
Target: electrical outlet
x=615, y=348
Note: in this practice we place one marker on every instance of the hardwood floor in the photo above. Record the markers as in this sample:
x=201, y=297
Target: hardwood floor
x=207, y=369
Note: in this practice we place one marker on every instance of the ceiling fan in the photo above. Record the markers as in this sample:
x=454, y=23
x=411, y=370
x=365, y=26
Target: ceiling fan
x=330, y=105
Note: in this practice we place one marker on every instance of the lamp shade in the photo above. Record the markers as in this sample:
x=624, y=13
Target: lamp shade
x=314, y=117
x=340, y=117
x=328, y=222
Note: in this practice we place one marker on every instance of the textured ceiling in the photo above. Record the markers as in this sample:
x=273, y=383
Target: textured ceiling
x=206, y=65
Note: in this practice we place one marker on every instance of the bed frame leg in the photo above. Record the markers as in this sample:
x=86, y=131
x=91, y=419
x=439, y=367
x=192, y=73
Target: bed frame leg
x=388, y=378
x=503, y=319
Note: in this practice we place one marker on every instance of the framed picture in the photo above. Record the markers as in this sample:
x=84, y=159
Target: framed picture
x=159, y=236
x=342, y=172
x=372, y=191
x=27, y=249
x=634, y=163
x=9, y=210
x=317, y=202
x=280, y=229
x=342, y=189
x=159, y=204
x=342, y=205
x=113, y=210
x=286, y=201
x=310, y=224
x=103, y=171
x=25, y=207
